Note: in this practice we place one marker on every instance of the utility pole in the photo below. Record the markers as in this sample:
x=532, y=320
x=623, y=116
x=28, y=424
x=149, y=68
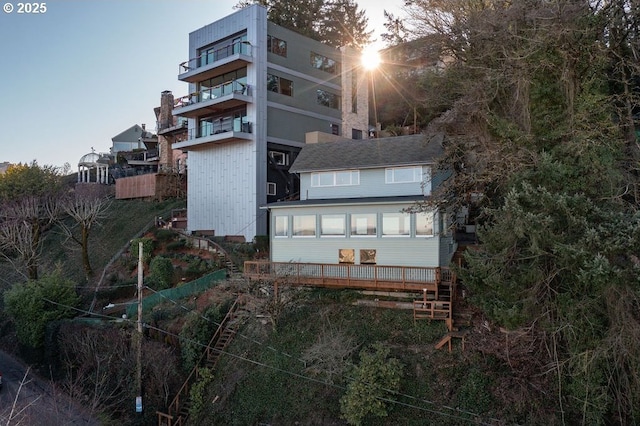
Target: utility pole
x=139, y=336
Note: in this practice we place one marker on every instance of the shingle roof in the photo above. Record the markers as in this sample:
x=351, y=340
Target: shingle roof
x=369, y=153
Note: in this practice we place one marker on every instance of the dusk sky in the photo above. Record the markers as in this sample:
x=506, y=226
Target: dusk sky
x=85, y=70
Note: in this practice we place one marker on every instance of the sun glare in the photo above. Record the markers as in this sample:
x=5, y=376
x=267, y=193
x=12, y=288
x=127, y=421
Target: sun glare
x=370, y=58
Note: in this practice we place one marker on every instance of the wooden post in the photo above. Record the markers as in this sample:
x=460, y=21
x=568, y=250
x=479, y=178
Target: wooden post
x=139, y=334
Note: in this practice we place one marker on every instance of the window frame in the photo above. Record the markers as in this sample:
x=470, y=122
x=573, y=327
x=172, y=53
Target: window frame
x=295, y=232
x=391, y=178
x=272, y=188
x=333, y=217
x=353, y=225
x=285, y=221
x=404, y=227
x=317, y=178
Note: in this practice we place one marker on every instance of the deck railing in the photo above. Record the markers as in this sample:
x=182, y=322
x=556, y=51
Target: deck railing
x=374, y=277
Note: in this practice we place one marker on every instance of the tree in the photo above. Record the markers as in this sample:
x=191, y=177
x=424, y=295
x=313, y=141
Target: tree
x=375, y=379
x=37, y=302
x=86, y=211
x=28, y=206
x=334, y=22
x=540, y=119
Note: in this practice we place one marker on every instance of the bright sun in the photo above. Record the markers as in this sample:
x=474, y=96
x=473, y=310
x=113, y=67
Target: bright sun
x=370, y=58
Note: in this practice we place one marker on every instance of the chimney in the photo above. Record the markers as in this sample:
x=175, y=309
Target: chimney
x=144, y=126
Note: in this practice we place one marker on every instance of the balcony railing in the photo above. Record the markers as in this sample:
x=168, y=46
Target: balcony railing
x=374, y=277
x=216, y=128
x=215, y=92
x=211, y=56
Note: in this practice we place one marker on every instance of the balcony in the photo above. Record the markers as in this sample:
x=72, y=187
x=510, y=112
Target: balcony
x=168, y=127
x=215, y=99
x=216, y=132
x=213, y=63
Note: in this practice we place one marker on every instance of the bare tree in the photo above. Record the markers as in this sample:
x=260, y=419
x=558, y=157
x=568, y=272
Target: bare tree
x=86, y=212
x=22, y=223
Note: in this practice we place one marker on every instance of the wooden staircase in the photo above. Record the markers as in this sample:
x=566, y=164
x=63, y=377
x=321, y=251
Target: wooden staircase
x=178, y=411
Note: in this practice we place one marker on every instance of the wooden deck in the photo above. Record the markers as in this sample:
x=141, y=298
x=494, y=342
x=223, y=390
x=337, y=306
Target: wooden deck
x=361, y=277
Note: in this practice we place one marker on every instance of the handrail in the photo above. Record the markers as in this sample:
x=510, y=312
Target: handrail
x=242, y=47
x=217, y=91
x=352, y=275
x=174, y=406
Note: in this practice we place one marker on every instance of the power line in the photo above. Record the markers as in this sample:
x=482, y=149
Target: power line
x=475, y=419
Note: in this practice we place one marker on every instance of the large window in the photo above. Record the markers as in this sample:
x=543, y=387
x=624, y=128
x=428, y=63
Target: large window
x=340, y=178
x=282, y=226
x=304, y=225
x=396, y=224
x=364, y=225
x=232, y=121
x=328, y=99
x=332, y=225
x=323, y=63
x=403, y=175
x=424, y=224
x=279, y=85
x=226, y=84
x=223, y=49
x=277, y=46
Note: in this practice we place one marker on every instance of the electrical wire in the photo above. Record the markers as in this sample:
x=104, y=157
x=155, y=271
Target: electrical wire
x=476, y=417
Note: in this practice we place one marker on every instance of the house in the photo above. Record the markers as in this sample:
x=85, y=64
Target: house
x=354, y=205
x=171, y=129
x=255, y=90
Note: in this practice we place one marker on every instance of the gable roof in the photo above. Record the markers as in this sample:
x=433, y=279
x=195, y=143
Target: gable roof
x=369, y=153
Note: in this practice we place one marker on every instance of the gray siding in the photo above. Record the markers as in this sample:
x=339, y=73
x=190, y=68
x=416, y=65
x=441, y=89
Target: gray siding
x=372, y=184
x=401, y=251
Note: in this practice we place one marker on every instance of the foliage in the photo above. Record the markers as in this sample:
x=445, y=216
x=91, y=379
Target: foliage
x=197, y=393
x=37, y=302
x=161, y=272
x=375, y=378
x=22, y=180
x=334, y=22
x=29, y=203
x=542, y=105
x=147, y=249
x=197, y=333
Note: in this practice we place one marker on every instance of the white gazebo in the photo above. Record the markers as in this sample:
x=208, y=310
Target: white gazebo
x=90, y=162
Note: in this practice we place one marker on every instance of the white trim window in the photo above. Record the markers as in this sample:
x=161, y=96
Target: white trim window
x=279, y=158
x=337, y=178
x=364, y=225
x=403, y=174
x=332, y=225
x=281, y=226
x=396, y=224
x=424, y=224
x=271, y=188
x=304, y=225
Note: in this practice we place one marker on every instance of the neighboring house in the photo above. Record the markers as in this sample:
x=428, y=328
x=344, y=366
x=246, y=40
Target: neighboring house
x=352, y=209
x=255, y=90
x=171, y=129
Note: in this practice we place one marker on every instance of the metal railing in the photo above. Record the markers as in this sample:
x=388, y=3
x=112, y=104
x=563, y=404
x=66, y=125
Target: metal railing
x=223, y=89
x=216, y=128
x=211, y=56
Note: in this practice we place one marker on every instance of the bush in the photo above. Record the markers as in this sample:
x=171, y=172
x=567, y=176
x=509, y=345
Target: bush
x=374, y=379
x=177, y=245
x=161, y=272
x=37, y=302
x=147, y=248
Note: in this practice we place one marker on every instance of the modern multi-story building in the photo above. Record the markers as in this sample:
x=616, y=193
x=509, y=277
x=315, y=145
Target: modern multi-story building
x=255, y=90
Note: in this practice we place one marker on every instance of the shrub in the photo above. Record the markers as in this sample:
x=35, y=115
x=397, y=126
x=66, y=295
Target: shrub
x=147, y=248
x=161, y=272
x=373, y=380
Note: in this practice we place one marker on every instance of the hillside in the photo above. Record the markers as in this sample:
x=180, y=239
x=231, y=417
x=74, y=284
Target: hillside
x=292, y=358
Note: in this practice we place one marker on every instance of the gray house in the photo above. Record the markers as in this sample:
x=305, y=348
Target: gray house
x=255, y=90
x=353, y=201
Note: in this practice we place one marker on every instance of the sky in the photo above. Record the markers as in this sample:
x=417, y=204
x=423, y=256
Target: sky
x=83, y=71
